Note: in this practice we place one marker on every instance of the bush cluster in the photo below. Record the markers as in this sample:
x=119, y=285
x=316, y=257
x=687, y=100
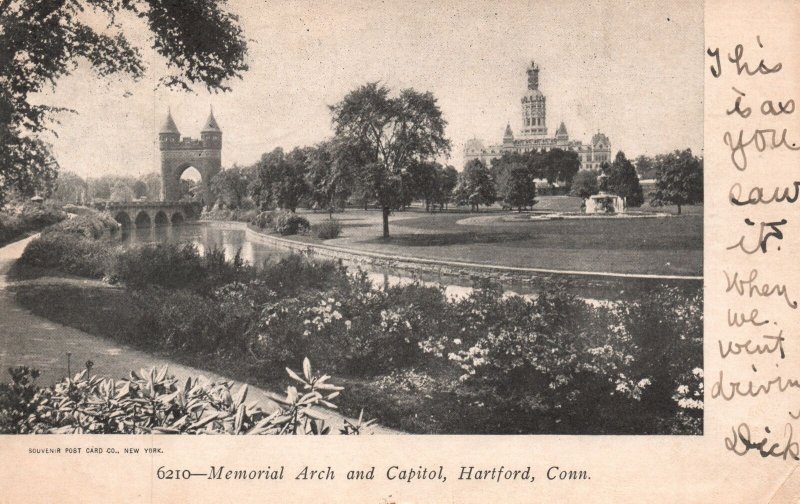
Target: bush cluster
x=283, y=222
x=90, y=224
x=27, y=218
x=328, y=229
x=70, y=253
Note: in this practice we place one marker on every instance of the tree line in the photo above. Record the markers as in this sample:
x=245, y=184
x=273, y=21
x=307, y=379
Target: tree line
x=677, y=176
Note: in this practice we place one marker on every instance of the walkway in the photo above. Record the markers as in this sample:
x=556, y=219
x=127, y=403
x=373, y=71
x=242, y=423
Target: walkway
x=26, y=339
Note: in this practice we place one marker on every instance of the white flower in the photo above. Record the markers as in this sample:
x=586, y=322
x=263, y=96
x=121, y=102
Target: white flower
x=698, y=372
x=457, y=341
x=683, y=389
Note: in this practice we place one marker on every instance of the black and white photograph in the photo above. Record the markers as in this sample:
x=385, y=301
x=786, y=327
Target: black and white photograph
x=358, y=218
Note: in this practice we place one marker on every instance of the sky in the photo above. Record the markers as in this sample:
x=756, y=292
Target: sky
x=632, y=70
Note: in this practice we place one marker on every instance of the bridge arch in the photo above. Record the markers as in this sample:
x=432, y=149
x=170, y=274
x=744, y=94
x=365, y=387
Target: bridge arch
x=161, y=219
x=143, y=219
x=124, y=219
x=177, y=218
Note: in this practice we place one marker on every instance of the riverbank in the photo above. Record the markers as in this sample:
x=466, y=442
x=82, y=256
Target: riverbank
x=586, y=284
x=657, y=246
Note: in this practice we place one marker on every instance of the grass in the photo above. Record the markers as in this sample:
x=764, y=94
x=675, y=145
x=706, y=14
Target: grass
x=665, y=245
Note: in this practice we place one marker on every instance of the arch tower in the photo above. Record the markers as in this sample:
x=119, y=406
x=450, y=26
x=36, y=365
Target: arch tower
x=178, y=154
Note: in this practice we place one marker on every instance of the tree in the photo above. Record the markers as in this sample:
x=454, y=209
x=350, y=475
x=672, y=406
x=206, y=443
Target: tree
x=71, y=188
x=520, y=190
x=645, y=167
x=448, y=180
x=280, y=179
x=585, y=184
x=121, y=192
x=390, y=134
x=153, y=182
x=426, y=182
x=230, y=186
x=623, y=181
x=139, y=189
x=43, y=41
x=328, y=175
x=475, y=185
x=557, y=165
x=679, y=179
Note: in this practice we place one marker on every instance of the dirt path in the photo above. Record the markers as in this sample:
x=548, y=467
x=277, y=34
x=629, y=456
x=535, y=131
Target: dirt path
x=26, y=339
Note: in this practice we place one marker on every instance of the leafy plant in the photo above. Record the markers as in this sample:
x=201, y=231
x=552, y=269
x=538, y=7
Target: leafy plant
x=328, y=229
x=152, y=401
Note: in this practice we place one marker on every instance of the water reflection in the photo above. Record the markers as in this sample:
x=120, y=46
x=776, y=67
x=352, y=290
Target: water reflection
x=231, y=241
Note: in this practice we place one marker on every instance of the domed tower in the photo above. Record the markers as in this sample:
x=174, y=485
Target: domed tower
x=211, y=136
x=534, y=110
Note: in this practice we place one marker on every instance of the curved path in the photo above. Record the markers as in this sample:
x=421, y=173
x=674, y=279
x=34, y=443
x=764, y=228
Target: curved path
x=27, y=339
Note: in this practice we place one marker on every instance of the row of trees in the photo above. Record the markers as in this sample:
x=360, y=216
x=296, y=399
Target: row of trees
x=72, y=188
x=678, y=179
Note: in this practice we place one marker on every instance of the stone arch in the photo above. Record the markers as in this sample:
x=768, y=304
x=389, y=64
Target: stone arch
x=161, y=219
x=143, y=220
x=177, y=218
x=123, y=219
x=174, y=162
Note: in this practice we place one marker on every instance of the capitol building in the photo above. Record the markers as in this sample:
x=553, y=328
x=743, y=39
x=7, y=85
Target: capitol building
x=533, y=134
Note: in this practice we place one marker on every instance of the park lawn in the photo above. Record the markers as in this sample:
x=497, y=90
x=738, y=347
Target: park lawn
x=670, y=245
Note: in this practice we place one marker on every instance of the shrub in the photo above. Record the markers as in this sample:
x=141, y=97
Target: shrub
x=91, y=225
x=328, y=229
x=29, y=217
x=263, y=219
x=69, y=253
x=152, y=401
x=289, y=223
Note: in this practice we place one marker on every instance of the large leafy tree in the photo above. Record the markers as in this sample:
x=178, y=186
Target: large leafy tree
x=391, y=133
x=153, y=182
x=622, y=180
x=280, y=179
x=557, y=165
x=231, y=186
x=448, y=179
x=475, y=185
x=329, y=175
x=679, y=179
x=44, y=40
x=71, y=188
x=520, y=189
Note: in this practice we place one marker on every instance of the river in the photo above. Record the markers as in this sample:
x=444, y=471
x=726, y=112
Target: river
x=233, y=240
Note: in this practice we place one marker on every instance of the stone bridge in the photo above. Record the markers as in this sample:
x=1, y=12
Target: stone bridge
x=152, y=213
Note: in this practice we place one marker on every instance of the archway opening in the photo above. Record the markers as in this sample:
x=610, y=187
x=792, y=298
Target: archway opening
x=161, y=219
x=190, y=183
x=123, y=219
x=143, y=220
x=177, y=218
